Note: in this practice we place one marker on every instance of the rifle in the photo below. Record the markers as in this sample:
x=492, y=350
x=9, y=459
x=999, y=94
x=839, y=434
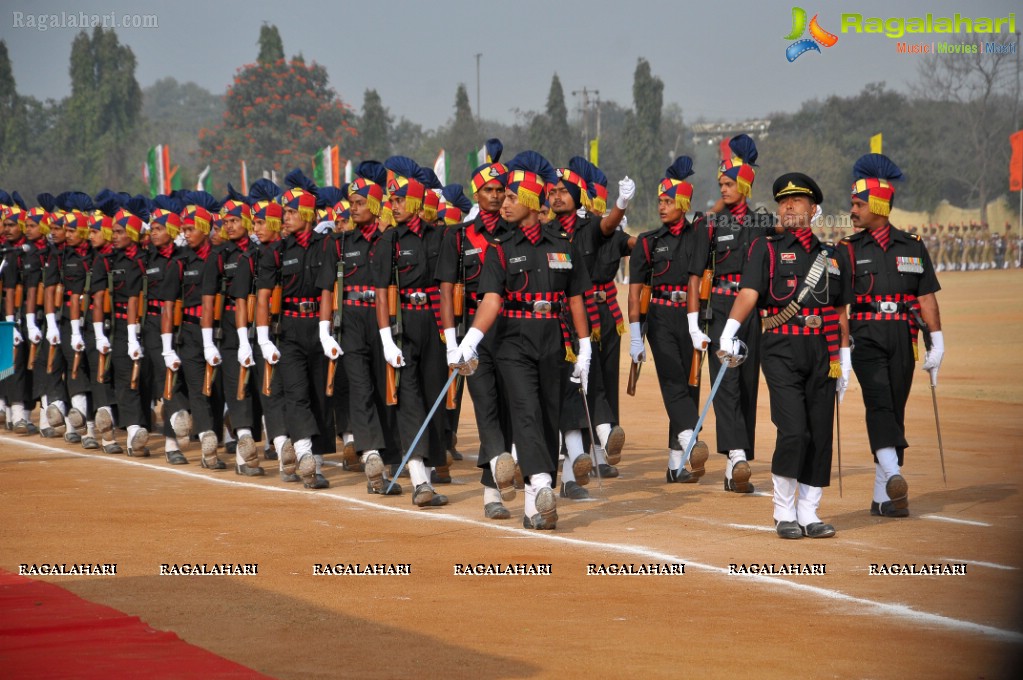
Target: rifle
x=58, y=302
x=108, y=321
x=33, y=348
x=339, y=289
x=250, y=316
x=460, y=313
x=275, y=329
x=143, y=301
x=394, y=311
x=170, y=375
x=644, y=306
x=218, y=334
x=19, y=297
x=78, y=305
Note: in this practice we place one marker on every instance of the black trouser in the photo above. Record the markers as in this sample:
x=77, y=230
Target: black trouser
x=19, y=385
x=490, y=404
x=341, y=399
x=735, y=404
x=272, y=406
x=243, y=412
x=100, y=392
x=371, y=421
x=132, y=404
x=45, y=383
x=420, y=381
x=192, y=373
x=530, y=359
x=303, y=367
x=668, y=333
x=152, y=344
x=802, y=406
x=884, y=363
x=607, y=354
x=74, y=383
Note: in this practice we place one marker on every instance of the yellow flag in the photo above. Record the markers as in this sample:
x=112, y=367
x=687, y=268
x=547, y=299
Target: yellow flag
x=594, y=151
x=875, y=143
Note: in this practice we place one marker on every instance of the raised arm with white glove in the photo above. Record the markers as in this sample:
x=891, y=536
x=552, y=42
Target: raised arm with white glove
x=626, y=190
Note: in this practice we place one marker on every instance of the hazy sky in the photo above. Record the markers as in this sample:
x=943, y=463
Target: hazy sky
x=718, y=60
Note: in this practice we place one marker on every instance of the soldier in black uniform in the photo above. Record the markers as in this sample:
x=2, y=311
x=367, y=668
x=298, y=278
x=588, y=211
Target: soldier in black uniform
x=532, y=279
x=463, y=254
x=120, y=276
x=731, y=233
x=21, y=268
x=587, y=234
x=407, y=257
x=307, y=270
x=227, y=282
x=892, y=292
x=164, y=269
x=72, y=271
x=43, y=255
x=670, y=260
x=800, y=284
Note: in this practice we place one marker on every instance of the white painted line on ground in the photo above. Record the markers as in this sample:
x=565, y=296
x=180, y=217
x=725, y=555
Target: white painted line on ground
x=990, y=565
x=881, y=608
x=972, y=523
x=750, y=527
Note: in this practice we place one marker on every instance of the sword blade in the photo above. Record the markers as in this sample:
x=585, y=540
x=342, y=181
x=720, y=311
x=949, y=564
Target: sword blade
x=703, y=415
x=937, y=425
x=426, y=423
x=838, y=442
x=594, y=444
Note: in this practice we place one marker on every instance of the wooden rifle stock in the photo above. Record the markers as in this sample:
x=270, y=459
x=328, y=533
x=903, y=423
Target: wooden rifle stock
x=268, y=377
x=633, y=378
x=75, y=365
x=243, y=377
x=644, y=298
x=40, y=295
x=207, y=380
x=250, y=308
x=458, y=299
x=694, y=369
x=135, y=368
x=391, y=395
x=168, y=384
x=101, y=369
x=50, y=358
x=706, y=282
x=331, y=373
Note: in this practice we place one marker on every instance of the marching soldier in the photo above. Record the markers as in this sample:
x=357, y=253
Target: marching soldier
x=800, y=284
x=307, y=270
x=732, y=232
x=117, y=281
x=405, y=260
x=21, y=273
x=532, y=280
x=669, y=261
x=463, y=255
x=892, y=294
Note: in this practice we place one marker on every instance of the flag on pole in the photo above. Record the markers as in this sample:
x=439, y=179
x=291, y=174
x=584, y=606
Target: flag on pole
x=440, y=167
x=875, y=143
x=483, y=157
x=205, y=181
x=245, y=177
x=595, y=151
x=349, y=171
x=156, y=172
x=335, y=166
x=321, y=167
x=1016, y=162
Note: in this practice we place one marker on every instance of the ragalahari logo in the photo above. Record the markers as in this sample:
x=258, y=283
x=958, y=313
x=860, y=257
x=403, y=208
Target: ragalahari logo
x=817, y=35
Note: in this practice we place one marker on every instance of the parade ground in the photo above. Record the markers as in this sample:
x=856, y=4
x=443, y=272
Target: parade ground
x=847, y=611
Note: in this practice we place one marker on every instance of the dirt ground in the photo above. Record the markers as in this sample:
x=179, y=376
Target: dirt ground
x=60, y=504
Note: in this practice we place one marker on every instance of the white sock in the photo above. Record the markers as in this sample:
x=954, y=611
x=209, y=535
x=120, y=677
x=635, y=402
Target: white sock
x=366, y=454
x=806, y=506
x=574, y=444
x=734, y=456
x=888, y=459
x=683, y=439
x=171, y=444
x=44, y=421
x=535, y=483
x=491, y=495
x=880, y=482
x=784, y=498
x=61, y=406
x=80, y=402
x=279, y=443
x=417, y=471
x=90, y=429
x=67, y=424
x=603, y=432
x=674, y=459
x=303, y=447
x=348, y=437
x=18, y=412
x=132, y=429
x=243, y=432
x=567, y=474
x=529, y=504
x=600, y=455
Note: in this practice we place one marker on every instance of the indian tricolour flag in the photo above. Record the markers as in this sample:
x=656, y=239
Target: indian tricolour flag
x=156, y=171
x=326, y=167
x=440, y=167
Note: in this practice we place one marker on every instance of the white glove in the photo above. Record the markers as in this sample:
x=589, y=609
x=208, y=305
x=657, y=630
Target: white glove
x=626, y=190
x=102, y=343
x=134, y=349
x=331, y=349
x=582, y=362
x=17, y=335
x=244, y=348
x=701, y=340
x=451, y=340
x=467, y=350
x=269, y=350
x=845, y=359
x=729, y=345
x=932, y=360
x=34, y=334
x=77, y=342
x=52, y=329
x=209, y=350
x=170, y=358
x=391, y=352
x=636, y=349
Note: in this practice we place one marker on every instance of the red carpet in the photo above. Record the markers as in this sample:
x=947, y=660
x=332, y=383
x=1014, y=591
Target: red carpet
x=48, y=632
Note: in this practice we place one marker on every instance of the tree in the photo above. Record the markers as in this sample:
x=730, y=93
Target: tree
x=459, y=138
x=646, y=157
x=271, y=47
x=375, y=127
x=278, y=115
x=100, y=118
x=13, y=127
x=550, y=133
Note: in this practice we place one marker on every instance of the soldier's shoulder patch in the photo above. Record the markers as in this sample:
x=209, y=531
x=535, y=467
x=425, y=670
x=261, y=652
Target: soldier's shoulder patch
x=915, y=237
